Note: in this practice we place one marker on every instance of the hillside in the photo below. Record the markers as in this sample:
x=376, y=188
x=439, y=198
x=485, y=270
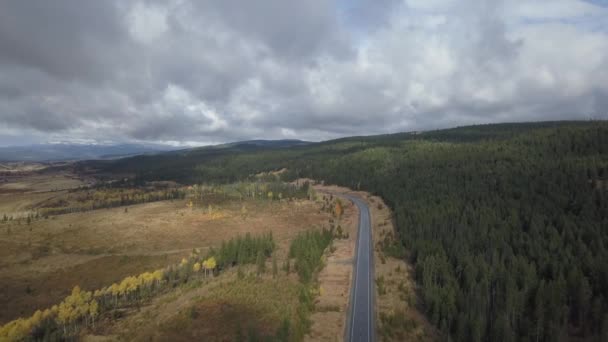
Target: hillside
x=506, y=224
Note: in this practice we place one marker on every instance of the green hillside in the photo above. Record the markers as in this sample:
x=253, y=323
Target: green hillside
x=507, y=224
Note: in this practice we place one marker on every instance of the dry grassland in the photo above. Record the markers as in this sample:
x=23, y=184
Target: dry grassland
x=21, y=192
x=41, y=262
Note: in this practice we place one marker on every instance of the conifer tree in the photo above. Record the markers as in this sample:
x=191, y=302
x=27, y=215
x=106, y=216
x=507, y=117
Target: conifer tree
x=261, y=263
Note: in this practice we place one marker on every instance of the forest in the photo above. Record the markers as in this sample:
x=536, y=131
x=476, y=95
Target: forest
x=506, y=224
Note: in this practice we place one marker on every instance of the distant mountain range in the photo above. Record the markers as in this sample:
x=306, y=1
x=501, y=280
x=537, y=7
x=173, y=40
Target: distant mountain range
x=66, y=151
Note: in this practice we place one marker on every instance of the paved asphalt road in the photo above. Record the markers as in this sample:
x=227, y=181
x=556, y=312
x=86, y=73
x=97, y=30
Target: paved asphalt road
x=361, y=320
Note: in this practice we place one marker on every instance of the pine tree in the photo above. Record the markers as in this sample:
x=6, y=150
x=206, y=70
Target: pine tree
x=261, y=263
x=275, y=267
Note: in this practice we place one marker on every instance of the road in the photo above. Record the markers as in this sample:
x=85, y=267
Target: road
x=361, y=322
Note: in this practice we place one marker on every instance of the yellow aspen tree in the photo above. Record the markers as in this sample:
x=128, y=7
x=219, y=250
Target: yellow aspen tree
x=196, y=267
x=145, y=282
x=93, y=311
x=36, y=319
x=338, y=209
x=64, y=315
x=46, y=314
x=132, y=285
x=205, y=266
x=115, y=290
x=141, y=280
x=211, y=263
x=83, y=311
x=158, y=275
x=122, y=288
x=16, y=330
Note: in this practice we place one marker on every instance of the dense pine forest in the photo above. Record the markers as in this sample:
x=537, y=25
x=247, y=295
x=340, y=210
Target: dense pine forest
x=507, y=225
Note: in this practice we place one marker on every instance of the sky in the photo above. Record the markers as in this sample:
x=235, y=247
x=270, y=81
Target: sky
x=198, y=72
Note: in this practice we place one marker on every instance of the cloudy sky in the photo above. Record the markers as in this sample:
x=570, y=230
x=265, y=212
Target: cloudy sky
x=202, y=71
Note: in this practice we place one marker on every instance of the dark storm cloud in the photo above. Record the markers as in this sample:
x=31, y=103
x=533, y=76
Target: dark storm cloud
x=37, y=117
x=213, y=71
x=292, y=30
x=362, y=16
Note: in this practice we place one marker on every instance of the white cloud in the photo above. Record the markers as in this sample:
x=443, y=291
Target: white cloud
x=188, y=71
x=554, y=9
x=147, y=22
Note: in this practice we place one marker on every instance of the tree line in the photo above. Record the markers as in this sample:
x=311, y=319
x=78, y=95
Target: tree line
x=86, y=200
x=255, y=189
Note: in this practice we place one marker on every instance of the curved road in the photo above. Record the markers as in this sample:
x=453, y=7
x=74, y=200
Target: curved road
x=361, y=321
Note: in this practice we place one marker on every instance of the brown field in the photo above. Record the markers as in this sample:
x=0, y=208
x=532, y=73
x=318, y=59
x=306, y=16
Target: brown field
x=24, y=189
x=41, y=183
x=42, y=261
x=14, y=167
x=20, y=204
